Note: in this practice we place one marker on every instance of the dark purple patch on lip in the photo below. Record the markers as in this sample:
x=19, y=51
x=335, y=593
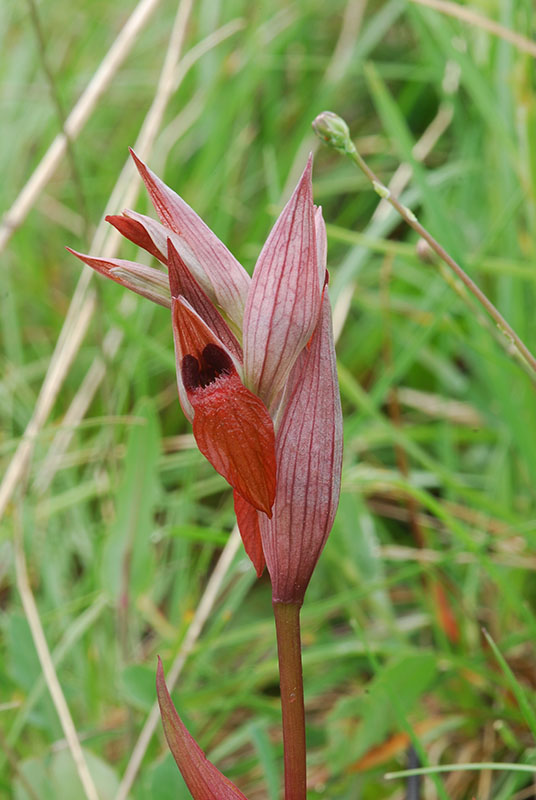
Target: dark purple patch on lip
x=214, y=362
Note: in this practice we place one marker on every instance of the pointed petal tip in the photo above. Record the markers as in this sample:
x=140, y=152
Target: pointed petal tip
x=179, y=304
x=304, y=187
x=247, y=519
x=266, y=506
x=81, y=256
x=308, y=170
x=172, y=252
x=118, y=221
x=160, y=678
x=137, y=160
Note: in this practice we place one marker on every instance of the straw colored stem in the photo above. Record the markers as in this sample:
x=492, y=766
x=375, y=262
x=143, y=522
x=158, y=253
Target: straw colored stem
x=76, y=120
x=47, y=665
x=480, y=21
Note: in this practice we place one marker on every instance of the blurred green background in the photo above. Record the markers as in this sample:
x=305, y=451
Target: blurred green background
x=122, y=521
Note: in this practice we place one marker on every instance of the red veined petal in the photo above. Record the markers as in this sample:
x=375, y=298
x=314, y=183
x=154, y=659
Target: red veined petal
x=146, y=232
x=229, y=279
x=136, y=232
x=284, y=299
x=309, y=459
x=148, y=282
x=182, y=282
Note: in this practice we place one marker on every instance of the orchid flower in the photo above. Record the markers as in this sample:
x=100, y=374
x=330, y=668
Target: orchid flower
x=255, y=370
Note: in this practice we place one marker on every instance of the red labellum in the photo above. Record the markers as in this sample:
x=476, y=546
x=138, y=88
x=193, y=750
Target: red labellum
x=247, y=518
x=231, y=425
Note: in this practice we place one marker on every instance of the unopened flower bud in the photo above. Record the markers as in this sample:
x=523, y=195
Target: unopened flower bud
x=334, y=131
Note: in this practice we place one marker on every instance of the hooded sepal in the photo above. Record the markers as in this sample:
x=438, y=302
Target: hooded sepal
x=247, y=518
x=182, y=282
x=309, y=460
x=231, y=425
x=202, y=778
x=284, y=299
x=199, y=247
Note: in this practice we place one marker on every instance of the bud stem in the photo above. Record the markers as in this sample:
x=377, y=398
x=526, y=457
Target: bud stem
x=349, y=149
x=287, y=623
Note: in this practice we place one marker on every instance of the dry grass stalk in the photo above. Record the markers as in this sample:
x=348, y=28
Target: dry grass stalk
x=479, y=21
x=47, y=665
x=76, y=120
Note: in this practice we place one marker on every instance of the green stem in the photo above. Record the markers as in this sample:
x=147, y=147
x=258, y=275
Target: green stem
x=287, y=624
x=409, y=217
x=334, y=131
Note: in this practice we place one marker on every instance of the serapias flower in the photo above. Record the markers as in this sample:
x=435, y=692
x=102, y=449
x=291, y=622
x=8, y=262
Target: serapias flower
x=255, y=368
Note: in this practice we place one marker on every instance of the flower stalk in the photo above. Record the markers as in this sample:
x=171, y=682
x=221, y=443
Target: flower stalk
x=334, y=132
x=287, y=625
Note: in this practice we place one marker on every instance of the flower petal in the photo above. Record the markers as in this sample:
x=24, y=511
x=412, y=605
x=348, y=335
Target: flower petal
x=182, y=282
x=247, y=518
x=148, y=282
x=284, y=299
x=202, y=778
x=309, y=458
x=197, y=243
x=135, y=231
x=152, y=236
x=231, y=425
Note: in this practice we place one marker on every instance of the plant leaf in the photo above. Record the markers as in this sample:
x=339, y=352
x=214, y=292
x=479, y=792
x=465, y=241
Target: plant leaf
x=203, y=779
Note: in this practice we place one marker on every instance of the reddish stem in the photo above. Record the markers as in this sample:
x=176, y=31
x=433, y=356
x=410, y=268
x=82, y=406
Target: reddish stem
x=287, y=623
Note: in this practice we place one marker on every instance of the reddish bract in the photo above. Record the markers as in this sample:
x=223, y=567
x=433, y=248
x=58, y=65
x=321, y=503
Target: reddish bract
x=202, y=778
